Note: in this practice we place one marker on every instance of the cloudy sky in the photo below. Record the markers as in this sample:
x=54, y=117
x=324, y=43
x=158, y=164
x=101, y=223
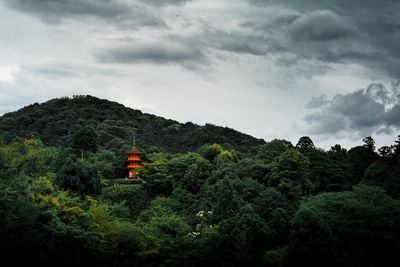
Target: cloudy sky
x=329, y=69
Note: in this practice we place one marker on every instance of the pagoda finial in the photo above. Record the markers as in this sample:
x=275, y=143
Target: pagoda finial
x=134, y=139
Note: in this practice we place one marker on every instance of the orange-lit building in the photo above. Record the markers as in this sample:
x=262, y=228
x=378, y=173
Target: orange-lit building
x=133, y=162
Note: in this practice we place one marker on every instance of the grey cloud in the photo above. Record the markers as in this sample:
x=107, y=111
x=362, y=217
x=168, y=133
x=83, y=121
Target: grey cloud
x=153, y=52
x=317, y=102
x=234, y=42
x=392, y=116
x=387, y=131
x=247, y=23
x=365, y=112
x=375, y=22
x=320, y=25
x=112, y=11
x=324, y=123
x=189, y=51
x=164, y=2
x=342, y=6
x=55, y=68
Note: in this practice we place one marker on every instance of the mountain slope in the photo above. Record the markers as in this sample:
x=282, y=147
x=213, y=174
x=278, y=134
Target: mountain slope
x=115, y=124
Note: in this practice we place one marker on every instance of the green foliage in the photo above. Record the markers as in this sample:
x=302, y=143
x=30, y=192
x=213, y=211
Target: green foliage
x=253, y=168
x=269, y=200
x=103, y=222
x=162, y=235
x=82, y=139
x=195, y=176
x=241, y=237
x=17, y=217
x=305, y=143
x=290, y=174
x=228, y=204
x=114, y=124
x=249, y=189
x=79, y=176
x=386, y=174
x=311, y=240
x=358, y=160
x=179, y=163
x=269, y=151
x=106, y=163
x=274, y=257
x=157, y=178
x=225, y=201
x=211, y=152
x=365, y=221
x=135, y=197
x=327, y=170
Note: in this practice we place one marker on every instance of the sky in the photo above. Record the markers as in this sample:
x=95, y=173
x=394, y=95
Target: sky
x=328, y=69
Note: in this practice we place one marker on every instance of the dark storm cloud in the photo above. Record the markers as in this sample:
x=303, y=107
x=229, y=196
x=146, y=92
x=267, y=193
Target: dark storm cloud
x=113, y=11
x=347, y=7
x=365, y=111
x=372, y=25
x=152, y=52
x=319, y=25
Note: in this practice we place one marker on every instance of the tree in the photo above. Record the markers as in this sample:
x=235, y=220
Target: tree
x=221, y=199
x=268, y=201
x=82, y=139
x=305, y=143
x=252, y=168
x=386, y=152
x=134, y=197
x=269, y=151
x=157, y=177
x=249, y=189
x=196, y=175
x=163, y=235
x=211, y=152
x=369, y=143
x=178, y=165
x=311, y=241
x=358, y=160
x=242, y=238
x=366, y=223
x=79, y=176
x=290, y=174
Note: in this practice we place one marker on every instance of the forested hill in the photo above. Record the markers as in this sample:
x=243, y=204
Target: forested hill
x=114, y=125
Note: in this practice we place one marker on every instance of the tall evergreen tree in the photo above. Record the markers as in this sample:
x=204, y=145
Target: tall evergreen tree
x=82, y=139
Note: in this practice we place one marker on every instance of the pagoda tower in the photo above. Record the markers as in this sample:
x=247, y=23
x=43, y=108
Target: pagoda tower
x=133, y=162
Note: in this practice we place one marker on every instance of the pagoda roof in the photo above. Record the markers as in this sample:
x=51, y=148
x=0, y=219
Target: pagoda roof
x=134, y=151
x=134, y=160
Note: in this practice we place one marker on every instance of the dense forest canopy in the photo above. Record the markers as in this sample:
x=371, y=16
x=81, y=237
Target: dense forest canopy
x=225, y=199
x=115, y=124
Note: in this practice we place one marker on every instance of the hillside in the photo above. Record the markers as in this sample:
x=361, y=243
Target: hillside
x=115, y=124
x=277, y=205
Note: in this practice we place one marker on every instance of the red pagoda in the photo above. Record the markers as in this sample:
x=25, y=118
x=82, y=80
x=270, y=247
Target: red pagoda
x=133, y=162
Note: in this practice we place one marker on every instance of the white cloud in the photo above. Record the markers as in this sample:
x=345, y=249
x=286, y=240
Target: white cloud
x=7, y=73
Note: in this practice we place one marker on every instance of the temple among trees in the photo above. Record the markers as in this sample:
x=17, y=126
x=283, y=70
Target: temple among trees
x=133, y=162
